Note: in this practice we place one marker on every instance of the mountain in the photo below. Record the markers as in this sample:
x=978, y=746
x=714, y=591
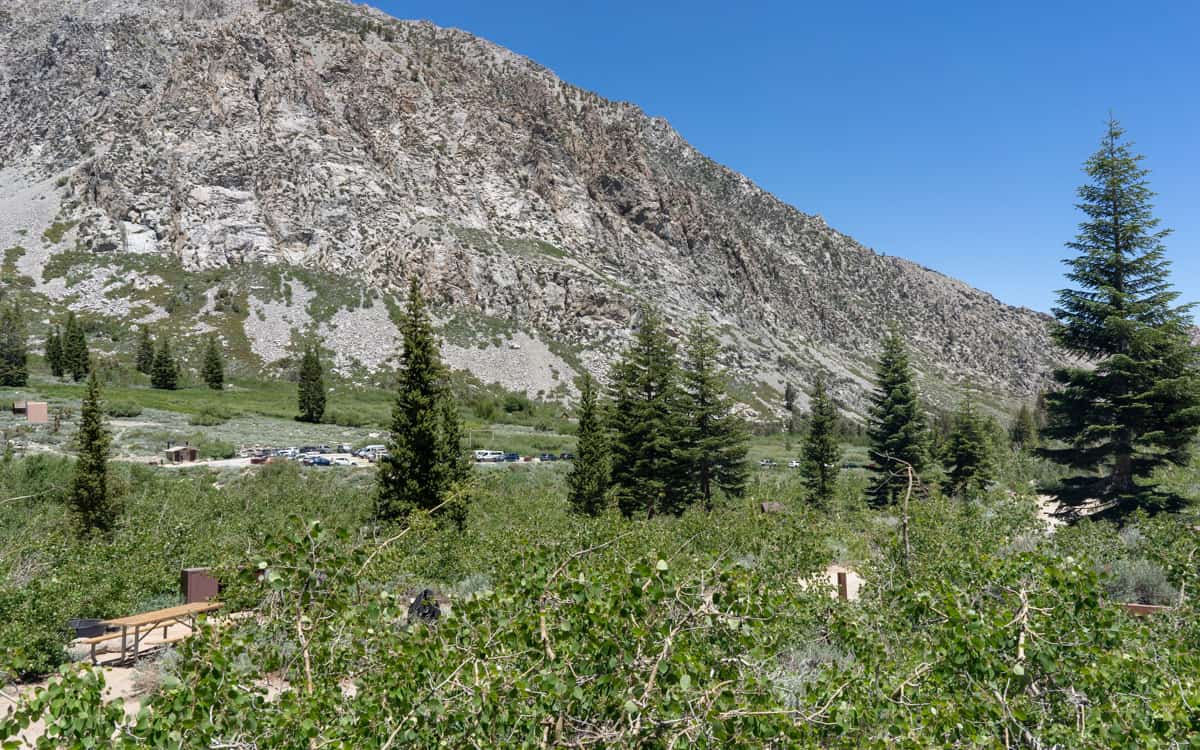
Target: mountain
x=277, y=169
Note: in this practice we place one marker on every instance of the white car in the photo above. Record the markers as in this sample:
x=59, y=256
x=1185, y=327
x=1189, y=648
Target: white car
x=343, y=461
x=793, y=464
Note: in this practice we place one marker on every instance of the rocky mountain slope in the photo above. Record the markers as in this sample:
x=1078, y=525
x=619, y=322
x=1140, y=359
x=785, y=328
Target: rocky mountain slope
x=276, y=169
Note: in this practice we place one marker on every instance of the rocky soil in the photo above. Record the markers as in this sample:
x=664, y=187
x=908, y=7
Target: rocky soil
x=316, y=133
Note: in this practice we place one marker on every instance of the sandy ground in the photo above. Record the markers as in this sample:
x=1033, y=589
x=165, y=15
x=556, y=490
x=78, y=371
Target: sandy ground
x=829, y=579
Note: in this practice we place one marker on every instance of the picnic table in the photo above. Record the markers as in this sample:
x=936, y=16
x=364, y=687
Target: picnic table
x=144, y=624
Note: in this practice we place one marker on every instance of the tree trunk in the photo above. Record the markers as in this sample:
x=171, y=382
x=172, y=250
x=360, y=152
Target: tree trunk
x=1122, y=476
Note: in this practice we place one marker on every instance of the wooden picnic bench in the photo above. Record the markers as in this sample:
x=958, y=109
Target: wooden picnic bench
x=142, y=625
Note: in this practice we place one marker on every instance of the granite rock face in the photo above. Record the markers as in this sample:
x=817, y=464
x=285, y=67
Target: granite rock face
x=326, y=135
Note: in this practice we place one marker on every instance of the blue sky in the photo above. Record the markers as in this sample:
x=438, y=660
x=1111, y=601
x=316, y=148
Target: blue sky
x=952, y=133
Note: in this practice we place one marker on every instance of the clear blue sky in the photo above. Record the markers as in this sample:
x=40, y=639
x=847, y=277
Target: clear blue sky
x=950, y=132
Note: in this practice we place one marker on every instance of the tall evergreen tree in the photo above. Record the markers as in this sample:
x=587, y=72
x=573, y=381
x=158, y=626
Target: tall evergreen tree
x=1024, y=431
x=1138, y=408
x=648, y=466
x=425, y=466
x=214, y=365
x=822, y=456
x=14, y=369
x=713, y=437
x=165, y=372
x=76, y=357
x=896, y=430
x=969, y=458
x=588, y=482
x=789, y=406
x=311, y=390
x=145, y=352
x=54, y=352
x=90, y=500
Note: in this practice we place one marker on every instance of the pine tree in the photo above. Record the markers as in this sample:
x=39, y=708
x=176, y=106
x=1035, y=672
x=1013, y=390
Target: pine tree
x=165, y=372
x=425, y=467
x=713, y=437
x=214, y=365
x=76, y=357
x=969, y=455
x=648, y=466
x=311, y=392
x=822, y=456
x=789, y=406
x=90, y=500
x=1024, y=431
x=897, y=426
x=14, y=370
x=1139, y=407
x=145, y=352
x=54, y=352
x=588, y=482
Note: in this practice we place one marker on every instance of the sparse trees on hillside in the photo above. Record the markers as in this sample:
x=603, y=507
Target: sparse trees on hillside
x=649, y=470
x=311, y=390
x=713, y=438
x=76, y=357
x=822, y=456
x=897, y=424
x=425, y=468
x=165, y=372
x=969, y=460
x=587, y=484
x=1138, y=408
x=90, y=500
x=145, y=352
x=214, y=365
x=14, y=370
x=54, y=352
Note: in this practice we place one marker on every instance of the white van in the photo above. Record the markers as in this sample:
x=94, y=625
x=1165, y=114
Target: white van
x=489, y=456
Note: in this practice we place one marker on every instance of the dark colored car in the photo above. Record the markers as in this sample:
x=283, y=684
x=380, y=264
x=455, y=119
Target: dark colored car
x=566, y=456
x=512, y=456
x=547, y=457
x=321, y=461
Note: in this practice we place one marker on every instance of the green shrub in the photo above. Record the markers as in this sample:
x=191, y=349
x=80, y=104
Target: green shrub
x=216, y=449
x=210, y=416
x=121, y=409
x=1139, y=582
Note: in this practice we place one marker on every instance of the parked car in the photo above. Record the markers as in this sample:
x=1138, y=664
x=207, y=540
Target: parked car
x=793, y=464
x=547, y=457
x=488, y=456
x=258, y=460
x=320, y=461
x=512, y=456
x=343, y=461
x=767, y=463
x=566, y=456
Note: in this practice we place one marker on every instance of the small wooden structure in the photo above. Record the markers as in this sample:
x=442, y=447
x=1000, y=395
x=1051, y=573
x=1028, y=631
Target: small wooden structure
x=198, y=586
x=37, y=412
x=182, y=454
x=18, y=407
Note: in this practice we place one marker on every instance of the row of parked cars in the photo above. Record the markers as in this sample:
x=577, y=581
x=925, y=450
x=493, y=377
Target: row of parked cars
x=769, y=463
x=493, y=457
x=321, y=455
